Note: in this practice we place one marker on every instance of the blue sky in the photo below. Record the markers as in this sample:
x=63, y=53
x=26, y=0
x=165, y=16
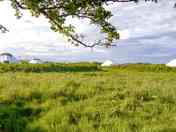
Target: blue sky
x=148, y=34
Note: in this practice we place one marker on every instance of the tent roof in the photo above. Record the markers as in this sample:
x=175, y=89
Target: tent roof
x=107, y=63
x=172, y=63
x=8, y=54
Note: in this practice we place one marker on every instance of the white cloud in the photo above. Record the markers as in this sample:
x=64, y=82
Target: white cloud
x=124, y=34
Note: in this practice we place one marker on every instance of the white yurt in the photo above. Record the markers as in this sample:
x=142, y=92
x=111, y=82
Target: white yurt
x=7, y=58
x=107, y=63
x=36, y=61
x=172, y=63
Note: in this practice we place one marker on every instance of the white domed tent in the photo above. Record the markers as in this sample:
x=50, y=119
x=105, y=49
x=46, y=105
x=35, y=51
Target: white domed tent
x=7, y=58
x=35, y=61
x=172, y=63
x=107, y=63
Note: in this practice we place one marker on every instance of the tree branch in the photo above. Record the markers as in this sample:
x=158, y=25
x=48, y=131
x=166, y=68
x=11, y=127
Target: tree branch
x=128, y=0
x=3, y=29
x=75, y=38
x=45, y=9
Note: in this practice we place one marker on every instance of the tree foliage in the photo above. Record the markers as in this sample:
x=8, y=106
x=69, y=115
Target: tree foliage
x=57, y=12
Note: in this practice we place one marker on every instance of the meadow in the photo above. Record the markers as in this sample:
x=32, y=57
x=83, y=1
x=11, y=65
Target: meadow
x=87, y=98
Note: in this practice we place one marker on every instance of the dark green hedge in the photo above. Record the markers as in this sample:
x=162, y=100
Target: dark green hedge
x=50, y=67
x=81, y=67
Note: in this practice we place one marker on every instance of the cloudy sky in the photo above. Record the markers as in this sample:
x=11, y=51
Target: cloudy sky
x=148, y=34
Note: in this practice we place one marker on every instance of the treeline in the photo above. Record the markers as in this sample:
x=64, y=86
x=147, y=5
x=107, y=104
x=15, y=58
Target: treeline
x=49, y=67
x=81, y=67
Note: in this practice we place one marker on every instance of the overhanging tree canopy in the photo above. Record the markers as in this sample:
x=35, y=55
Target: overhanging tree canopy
x=57, y=11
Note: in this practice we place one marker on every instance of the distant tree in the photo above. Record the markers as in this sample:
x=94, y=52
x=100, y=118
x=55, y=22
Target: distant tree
x=57, y=11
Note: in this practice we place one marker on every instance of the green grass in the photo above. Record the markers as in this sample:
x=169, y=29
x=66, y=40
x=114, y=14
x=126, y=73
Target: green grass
x=127, y=98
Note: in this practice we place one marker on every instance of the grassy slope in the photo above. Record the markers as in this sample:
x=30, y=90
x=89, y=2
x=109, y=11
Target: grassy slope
x=112, y=100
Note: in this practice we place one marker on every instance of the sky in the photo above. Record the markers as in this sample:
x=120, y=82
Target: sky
x=147, y=30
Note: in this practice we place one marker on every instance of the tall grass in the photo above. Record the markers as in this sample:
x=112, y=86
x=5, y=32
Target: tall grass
x=114, y=99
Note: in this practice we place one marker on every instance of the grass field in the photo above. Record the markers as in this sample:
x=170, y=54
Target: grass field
x=128, y=98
